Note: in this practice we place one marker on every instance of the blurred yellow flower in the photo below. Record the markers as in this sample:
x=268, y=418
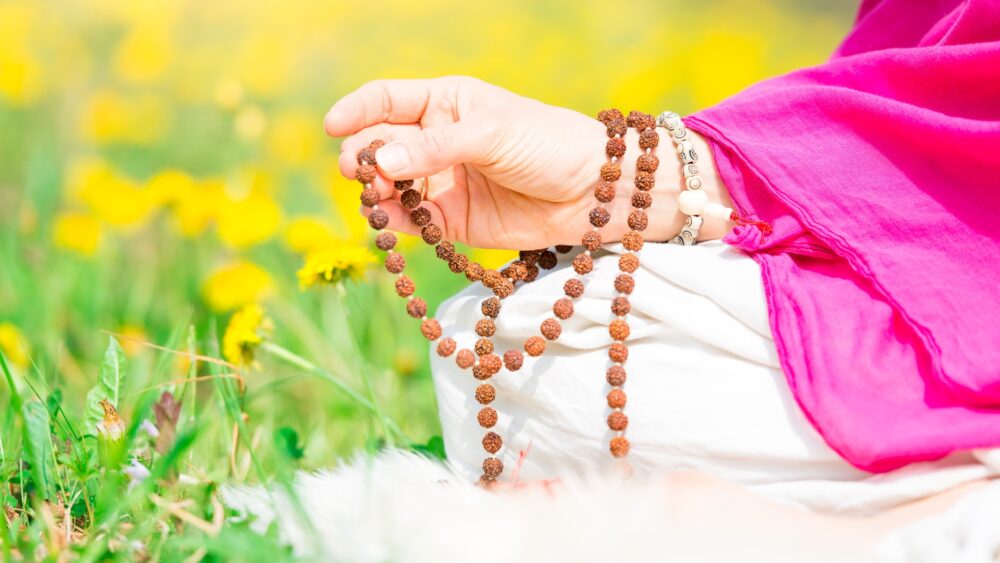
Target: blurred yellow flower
x=118, y=201
x=344, y=194
x=168, y=187
x=195, y=208
x=250, y=123
x=294, y=137
x=248, y=221
x=20, y=70
x=247, y=330
x=334, y=264
x=265, y=62
x=492, y=258
x=14, y=345
x=235, y=285
x=78, y=232
x=133, y=339
x=144, y=53
x=110, y=117
x=304, y=234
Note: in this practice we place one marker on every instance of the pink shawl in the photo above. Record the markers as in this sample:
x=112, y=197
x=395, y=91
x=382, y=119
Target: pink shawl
x=880, y=174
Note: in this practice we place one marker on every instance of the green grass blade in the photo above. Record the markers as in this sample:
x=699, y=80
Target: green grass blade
x=38, y=446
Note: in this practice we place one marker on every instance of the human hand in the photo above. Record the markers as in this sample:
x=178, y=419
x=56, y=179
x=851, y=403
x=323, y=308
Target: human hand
x=504, y=171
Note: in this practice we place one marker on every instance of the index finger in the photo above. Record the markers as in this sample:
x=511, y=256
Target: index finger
x=379, y=101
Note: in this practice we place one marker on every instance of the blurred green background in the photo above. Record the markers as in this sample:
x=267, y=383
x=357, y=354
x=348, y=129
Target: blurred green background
x=163, y=163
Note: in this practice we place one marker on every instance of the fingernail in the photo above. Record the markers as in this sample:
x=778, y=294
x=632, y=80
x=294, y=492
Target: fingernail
x=392, y=157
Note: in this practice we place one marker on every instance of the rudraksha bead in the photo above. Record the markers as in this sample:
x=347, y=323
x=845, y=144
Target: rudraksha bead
x=529, y=256
x=642, y=200
x=616, y=399
x=599, y=217
x=474, y=272
x=416, y=308
x=378, y=219
x=458, y=263
x=624, y=283
x=431, y=329
x=534, y=346
x=492, y=467
x=431, y=234
x=620, y=306
x=490, y=307
x=644, y=181
x=366, y=173
x=583, y=264
x=617, y=421
x=611, y=171
x=616, y=376
x=628, y=262
x=640, y=121
x=492, y=442
x=632, y=240
x=513, y=360
x=504, y=289
x=369, y=197
x=563, y=308
x=618, y=352
x=403, y=184
x=385, y=241
x=647, y=162
x=648, y=139
x=618, y=329
x=366, y=156
x=491, y=278
x=480, y=372
x=485, y=394
x=486, y=327
x=491, y=363
x=444, y=250
x=604, y=192
x=573, y=288
x=484, y=346
x=616, y=127
x=638, y=220
x=551, y=329
x=517, y=270
x=420, y=216
x=615, y=147
x=487, y=417
x=619, y=446
x=465, y=358
x=446, y=347
x=395, y=263
x=532, y=273
x=607, y=115
x=592, y=240
x=405, y=286
x=410, y=199
x=548, y=259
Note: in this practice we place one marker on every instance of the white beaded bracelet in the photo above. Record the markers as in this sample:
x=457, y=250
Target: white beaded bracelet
x=692, y=201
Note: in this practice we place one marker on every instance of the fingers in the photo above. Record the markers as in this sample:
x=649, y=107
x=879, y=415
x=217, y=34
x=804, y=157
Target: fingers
x=392, y=101
x=399, y=216
x=349, y=148
x=433, y=149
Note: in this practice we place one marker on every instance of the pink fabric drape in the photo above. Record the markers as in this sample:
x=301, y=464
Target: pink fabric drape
x=879, y=171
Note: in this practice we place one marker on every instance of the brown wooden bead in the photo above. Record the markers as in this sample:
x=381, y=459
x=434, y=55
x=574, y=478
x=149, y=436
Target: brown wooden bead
x=420, y=216
x=491, y=363
x=532, y=273
x=486, y=327
x=410, y=199
x=395, y=263
x=517, y=270
x=617, y=421
x=583, y=264
x=632, y=240
x=620, y=306
x=628, y=262
x=405, y=286
x=619, y=446
x=592, y=240
x=378, y=219
x=611, y=171
x=513, y=360
x=490, y=307
x=563, y=308
x=504, y=289
x=615, y=147
x=369, y=197
x=534, y=346
x=431, y=329
x=492, y=468
x=366, y=173
x=648, y=139
x=484, y=346
x=618, y=329
x=529, y=256
x=551, y=329
x=644, y=181
x=481, y=373
x=616, y=126
x=618, y=352
x=492, y=442
x=485, y=394
x=487, y=417
x=573, y=288
x=548, y=259
x=458, y=263
x=647, y=162
x=446, y=347
x=599, y=217
x=431, y=234
x=615, y=376
x=402, y=185
x=491, y=278
x=616, y=399
x=607, y=115
x=366, y=156
x=444, y=250
x=465, y=358
x=642, y=200
x=638, y=220
x=416, y=308
x=386, y=241
x=624, y=283
x=605, y=191
x=640, y=120
x=474, y=272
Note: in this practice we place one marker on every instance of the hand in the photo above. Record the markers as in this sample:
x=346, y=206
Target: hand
x=504, y=171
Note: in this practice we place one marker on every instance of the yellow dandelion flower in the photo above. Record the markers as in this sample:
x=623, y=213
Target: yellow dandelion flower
x=305, y=234
x=110, y=117
x=291, y=137
x=194, y=209
x=235, y=285
x=334, y=264
x=247, y=330
x=145, y=52
x=168, y=187
x=78, y=232
x=248, y=221
x=132, y=339
x=14, y=345
x=119, y=202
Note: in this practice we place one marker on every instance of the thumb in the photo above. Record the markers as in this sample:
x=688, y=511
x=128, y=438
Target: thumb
x=431, y=150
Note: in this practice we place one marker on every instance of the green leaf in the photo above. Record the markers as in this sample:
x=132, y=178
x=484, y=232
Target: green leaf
x=287, y=441
x=15, y=397
x=38, y=446
x=433, y=448
x=109, y=386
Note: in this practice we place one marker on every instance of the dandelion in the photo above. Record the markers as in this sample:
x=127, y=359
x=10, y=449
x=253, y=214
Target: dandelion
x=247, y=330
x=78, y=232
x=334, y=264
x=305, y=234
x=290, y=139
x=111, y=437
x=13, y=345
x=249, y=221
x=235, y=285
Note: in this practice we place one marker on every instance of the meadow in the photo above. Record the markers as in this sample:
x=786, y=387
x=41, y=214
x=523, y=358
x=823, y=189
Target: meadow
x=164, y=176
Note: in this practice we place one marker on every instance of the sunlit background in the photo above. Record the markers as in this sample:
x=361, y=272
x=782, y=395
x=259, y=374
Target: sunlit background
x=162, y=163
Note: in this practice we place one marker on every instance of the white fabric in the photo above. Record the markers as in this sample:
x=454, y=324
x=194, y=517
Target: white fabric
x=705, y=390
